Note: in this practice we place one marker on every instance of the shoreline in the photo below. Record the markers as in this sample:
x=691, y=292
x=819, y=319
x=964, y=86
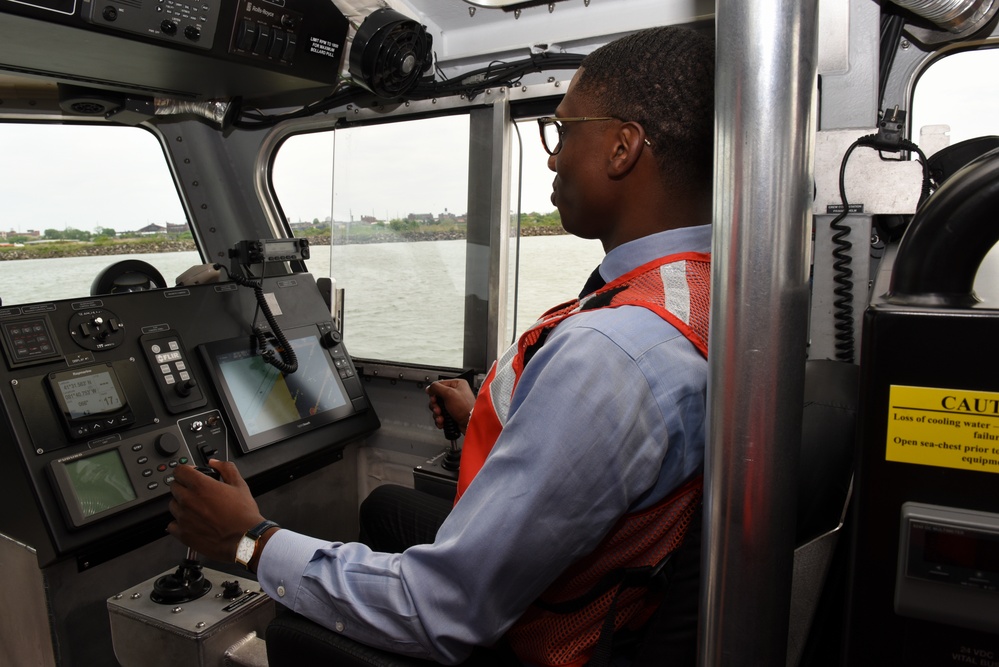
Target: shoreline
x=42, y=251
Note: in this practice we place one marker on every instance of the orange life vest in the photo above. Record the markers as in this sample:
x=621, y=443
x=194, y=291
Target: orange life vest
x=677, y=289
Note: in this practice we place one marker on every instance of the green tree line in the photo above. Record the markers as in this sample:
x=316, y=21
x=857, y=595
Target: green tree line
x=99, y=235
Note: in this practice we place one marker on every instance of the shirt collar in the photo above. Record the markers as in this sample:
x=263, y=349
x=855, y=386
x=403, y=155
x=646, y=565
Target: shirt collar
x=633, y=254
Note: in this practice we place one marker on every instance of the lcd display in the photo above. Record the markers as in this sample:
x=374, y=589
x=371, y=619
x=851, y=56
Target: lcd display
x=99, y=482
x=93, y=394
x=267, y=405
x=970, y=550
x=280, y=247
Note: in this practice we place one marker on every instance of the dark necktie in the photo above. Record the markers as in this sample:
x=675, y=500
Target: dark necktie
x=593, y=283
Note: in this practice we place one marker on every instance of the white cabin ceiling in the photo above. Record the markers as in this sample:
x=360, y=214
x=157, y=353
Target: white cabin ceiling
x=461, y=34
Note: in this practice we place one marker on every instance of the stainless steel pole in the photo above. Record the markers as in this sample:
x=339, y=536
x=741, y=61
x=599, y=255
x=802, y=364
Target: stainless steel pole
x=764, y=120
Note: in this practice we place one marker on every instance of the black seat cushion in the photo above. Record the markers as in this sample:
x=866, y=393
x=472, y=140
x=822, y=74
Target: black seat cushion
x=295, y=641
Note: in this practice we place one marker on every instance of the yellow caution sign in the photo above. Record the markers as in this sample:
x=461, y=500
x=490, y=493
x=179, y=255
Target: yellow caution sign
x=947, y=428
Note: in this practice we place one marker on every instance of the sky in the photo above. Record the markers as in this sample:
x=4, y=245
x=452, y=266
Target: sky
x=388, y=171
x=85, y=177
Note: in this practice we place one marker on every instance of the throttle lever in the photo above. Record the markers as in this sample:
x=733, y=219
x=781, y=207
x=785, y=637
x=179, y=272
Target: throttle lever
x=452, y=459
x=188, y=582
x=211, y=472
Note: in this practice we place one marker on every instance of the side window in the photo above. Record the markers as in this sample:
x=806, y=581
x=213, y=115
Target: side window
x=956, y=95
x=74, y=199
x=954, y=100
x=384, y=208
x=547, y=265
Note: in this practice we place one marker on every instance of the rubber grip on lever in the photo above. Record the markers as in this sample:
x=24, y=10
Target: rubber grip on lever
x=451, y=430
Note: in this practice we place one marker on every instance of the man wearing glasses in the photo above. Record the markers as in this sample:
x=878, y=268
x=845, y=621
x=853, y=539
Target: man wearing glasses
x=583, y=459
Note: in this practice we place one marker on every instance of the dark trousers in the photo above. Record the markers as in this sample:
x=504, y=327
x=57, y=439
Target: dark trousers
x=394, y=518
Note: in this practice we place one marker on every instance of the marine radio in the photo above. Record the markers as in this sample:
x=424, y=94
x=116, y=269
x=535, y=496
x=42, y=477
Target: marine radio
x=270, y=250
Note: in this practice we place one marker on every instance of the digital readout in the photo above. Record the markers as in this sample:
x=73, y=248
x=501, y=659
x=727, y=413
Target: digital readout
x=90, y=395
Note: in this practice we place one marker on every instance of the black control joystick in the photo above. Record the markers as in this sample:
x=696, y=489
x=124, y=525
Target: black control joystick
x=452, y=459
x=187, y=582
x=183, y=585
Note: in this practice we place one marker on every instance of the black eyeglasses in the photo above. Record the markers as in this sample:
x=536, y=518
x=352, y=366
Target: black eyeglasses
x=551, y=130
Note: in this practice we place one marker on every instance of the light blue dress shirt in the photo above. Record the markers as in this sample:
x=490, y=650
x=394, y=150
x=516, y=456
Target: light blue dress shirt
x=608, y=417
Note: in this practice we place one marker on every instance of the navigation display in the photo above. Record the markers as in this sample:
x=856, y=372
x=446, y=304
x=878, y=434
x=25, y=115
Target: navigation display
x=99, y=482
x=267, y=405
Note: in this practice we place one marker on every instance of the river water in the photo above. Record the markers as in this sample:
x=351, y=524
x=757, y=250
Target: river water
x=404, y=301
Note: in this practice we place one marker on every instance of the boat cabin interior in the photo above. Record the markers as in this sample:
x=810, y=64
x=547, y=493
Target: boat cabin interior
x=327, y=205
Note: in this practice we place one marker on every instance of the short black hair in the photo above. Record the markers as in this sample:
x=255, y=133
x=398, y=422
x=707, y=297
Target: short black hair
x=664, y=79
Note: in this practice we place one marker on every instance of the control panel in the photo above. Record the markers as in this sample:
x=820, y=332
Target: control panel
x=104, y=397
x=265, y=31
x=948, y=566
x=191, y=22
x=180, y=49
x=117, y=475
x=271, y=32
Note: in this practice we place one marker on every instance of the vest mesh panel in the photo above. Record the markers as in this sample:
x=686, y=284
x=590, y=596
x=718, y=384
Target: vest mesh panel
x=549, y=638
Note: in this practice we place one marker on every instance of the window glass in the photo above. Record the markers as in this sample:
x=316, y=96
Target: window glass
x=955, y=99
x=961, y=92
x=547, y=265
x=384, y=208
x=74, y=198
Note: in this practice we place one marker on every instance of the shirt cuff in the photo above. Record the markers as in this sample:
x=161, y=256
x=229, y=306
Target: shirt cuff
x=283, y=562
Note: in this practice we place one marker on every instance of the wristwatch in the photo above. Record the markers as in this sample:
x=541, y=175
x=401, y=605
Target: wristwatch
x=248, y=543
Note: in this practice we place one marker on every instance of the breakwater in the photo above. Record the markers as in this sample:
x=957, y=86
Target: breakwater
x=46, y=251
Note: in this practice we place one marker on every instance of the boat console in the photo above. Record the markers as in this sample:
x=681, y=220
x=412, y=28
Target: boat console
x=103, y=396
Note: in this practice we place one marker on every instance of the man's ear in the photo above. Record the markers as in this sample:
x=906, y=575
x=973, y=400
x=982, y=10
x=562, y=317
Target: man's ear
x=629, y=143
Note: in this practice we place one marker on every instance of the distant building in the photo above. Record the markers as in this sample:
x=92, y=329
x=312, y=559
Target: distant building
x=369, y=219
x=154, y=229
x=31, y=233
x=421, y=217
x=150, y=230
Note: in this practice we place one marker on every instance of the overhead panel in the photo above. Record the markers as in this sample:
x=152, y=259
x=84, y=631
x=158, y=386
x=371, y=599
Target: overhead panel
x=213, y=48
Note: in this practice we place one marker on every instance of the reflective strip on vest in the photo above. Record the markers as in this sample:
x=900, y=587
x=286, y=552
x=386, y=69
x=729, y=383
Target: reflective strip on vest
x=676, y=299
x=676, y=290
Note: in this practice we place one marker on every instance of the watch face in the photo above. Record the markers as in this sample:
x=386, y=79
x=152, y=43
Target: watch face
x=244, y=551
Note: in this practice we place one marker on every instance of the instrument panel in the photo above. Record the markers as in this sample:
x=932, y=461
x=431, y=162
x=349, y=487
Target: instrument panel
x=104, y=396
x=208, y=49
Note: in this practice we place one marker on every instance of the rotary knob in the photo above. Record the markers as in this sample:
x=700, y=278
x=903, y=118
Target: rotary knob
x=330, y=339
x=167, y=444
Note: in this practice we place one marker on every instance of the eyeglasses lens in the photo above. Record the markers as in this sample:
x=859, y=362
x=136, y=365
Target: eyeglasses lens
x=552, y=137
